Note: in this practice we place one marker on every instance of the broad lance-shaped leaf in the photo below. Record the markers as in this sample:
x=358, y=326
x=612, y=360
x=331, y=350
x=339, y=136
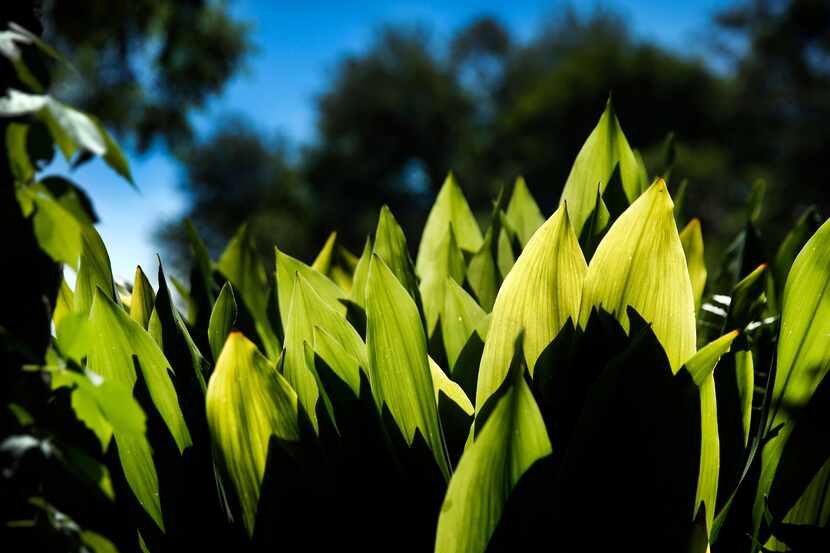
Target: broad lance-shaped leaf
x=222, y=319
x=512, y=439
x=248, y=403
x=241, y=265
x=460, y=317
x=640, y=262
x=605, y=148
x=447, y=263
x=692, y=240
x=306, y=311
x=287, y=270
x=803, y=356
x=58, y=233
x=807, y=224
x=142, y=299
x=112, y=404
x=539, y=295
x=523, y=212
x=117, y=339
x=399, y=371
x=449, y=212
x=390, y=245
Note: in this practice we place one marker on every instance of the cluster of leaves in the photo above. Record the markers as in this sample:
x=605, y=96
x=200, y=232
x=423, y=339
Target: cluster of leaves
x=579, y=373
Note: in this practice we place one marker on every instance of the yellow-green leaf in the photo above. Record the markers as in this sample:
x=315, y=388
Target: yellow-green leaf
x=640, y=262
x=399, y=371
x=241, y=265
x=692, y=240
x=460, y=317
x=605, y=148
x=222, y=319
x=447, y=262
x=523, y=212
x=142, y=299
x=248, y=403
x=308, y=310
x=539, y=295
x=512, y=439
x=287, y=270
x=450, y=211
x=115, y=340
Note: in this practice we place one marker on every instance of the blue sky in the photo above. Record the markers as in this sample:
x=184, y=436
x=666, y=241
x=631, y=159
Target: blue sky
x=298, y=45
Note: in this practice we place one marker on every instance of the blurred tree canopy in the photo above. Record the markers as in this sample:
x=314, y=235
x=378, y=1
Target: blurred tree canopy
x=400, y=115
x=397, y=116
x=145, y=65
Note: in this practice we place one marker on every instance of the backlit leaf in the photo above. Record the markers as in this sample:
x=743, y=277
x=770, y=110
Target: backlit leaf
x=512, y=439
x=605, y=148
x=248, y=403
x=450, y=211
x=142, y=300
x=539, y=295
x=692, y=241
x=522, y=212
x=241, y=265
x=222, y=319
x=640, y=262
x=399, y=370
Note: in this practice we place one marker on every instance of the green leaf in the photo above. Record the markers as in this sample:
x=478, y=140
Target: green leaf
x=803, y=356
x=523, y=213
x=692, y=240
x=64, y=303
x=222, y=319
x=142, y=300
x=701, y=366
x=248, y=403
x=58, y=233
x=807, y=224
x=306, y=311
x=116, y=340
x=343, y=363
x=113, y=156
x=399, y=371
x=444, y=385
x=680, y=203
x=483, y=270
x=390, y=245
x=361, y=274
x=322, y=262
x=449, y=212
x=512, y=439
x=70, y=197
x=605, y=148
x=702, y=363
x=447, y=263
x=241, y=265
x=539, y=295
x=95, y=272
x=17, y=154
x=640, y=262
x=460, y=317
x=287, y=270
x=120, y=410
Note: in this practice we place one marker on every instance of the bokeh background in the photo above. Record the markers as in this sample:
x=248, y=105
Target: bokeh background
x=306, y=117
